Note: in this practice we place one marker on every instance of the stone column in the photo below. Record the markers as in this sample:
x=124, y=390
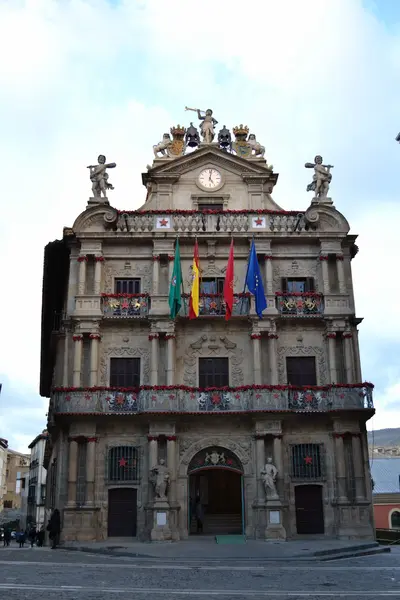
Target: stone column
x=269, y=278
x=171, y=464
x=156, y=274
x=348, y=356
x=78, y=339
x=256, y=339
x=278, y=460
x=90, y=469
x=171, y=347
x=94, y=358
x=340, y=273
x=65, y=361
x=273, y=358
x=153, y=337
x=260, y=462
x=358, y=466
x=332, y=356
x=82, y=260
x=98, y=271
x=325, y=275
x=357, y=361
x=340, y=467
x=153, y=451
x=171, y=259
x=72, y=471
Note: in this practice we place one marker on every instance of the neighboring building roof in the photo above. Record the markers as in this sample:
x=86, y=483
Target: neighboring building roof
x=386, y=475
x=42, y=436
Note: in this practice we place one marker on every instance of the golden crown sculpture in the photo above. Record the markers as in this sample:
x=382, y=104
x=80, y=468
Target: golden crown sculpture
x=177, y=131
x=241, y=130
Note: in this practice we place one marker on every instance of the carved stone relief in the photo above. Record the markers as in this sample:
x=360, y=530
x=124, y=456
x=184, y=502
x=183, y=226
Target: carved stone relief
x=116, y=352
x=189, y=447
x=212, y=345
x=128, y=269
x=319, y=353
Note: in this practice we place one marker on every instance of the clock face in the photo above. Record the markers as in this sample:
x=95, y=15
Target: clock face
x=210, y=178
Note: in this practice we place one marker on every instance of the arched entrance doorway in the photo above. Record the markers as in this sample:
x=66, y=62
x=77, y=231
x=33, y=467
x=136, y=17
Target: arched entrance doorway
x=216, y=484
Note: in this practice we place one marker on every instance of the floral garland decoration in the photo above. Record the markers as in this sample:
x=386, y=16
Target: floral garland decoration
x=143, y=295
x=300, y=294
x=258, y=211
x=241, y=388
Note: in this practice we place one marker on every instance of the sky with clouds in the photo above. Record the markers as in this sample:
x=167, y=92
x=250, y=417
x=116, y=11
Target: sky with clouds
x=83, y=77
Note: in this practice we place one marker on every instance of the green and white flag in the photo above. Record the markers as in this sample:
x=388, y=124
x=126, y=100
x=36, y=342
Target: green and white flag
x=175, y=297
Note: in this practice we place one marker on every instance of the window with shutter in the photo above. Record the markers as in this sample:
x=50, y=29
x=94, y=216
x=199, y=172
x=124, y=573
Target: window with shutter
x=213, y=372
x=130, y=285
x=301, y=370
x=124, y=372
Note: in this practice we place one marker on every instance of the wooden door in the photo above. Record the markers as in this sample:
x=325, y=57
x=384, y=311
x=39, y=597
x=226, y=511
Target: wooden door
x=122, y=509
x=309, y=509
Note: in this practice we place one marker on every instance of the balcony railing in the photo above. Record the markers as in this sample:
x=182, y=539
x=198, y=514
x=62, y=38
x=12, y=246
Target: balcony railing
x=307, y=304
x=126, y=306
x=211, y=221
x=213, y=305
x=216, y=400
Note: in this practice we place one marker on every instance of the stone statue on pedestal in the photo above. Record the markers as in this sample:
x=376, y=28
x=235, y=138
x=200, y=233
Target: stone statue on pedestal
x=269, y=475
x=160, y=480
x=321, y=179
x=207, y=124
x=99, y=177
x=256, y=147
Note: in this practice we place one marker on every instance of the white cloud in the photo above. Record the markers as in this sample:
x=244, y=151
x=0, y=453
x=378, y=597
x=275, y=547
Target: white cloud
x=88, y=76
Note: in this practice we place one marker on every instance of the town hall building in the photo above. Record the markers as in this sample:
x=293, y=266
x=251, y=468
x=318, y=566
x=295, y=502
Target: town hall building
x=163, y=426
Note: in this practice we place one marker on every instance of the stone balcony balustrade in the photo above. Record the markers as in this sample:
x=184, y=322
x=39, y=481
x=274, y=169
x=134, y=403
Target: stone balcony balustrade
x=213, y=305
x=190, y=221
x=247, y=399
x=300, y=304
x=125, y=306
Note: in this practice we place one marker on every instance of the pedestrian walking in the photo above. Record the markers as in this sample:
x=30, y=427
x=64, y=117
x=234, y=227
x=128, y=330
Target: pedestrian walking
x=7, y=536
x=54, y=528
x=21, y=538
x=32, y=535
x=40, y=537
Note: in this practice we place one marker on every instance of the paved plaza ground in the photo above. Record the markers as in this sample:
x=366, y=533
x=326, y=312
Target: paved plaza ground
x=41, y=573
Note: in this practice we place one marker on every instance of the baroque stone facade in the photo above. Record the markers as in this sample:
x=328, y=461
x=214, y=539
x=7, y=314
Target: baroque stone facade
x=140, y=402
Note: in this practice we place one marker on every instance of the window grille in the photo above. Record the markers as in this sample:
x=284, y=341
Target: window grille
x=81, y=475
x=123, y=464
x=307, y=461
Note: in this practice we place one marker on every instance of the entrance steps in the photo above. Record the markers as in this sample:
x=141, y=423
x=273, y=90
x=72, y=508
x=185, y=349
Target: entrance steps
x=220, y=524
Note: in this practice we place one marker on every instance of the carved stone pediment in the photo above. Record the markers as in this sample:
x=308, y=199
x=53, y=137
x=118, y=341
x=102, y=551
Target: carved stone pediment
x=218, y=157
x=98, y=218
x=326, y=218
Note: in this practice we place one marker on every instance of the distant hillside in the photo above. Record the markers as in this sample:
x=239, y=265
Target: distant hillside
x=384, y=437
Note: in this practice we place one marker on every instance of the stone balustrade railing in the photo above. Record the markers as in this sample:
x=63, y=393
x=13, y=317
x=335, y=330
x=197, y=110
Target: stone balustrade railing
x=307, y=304
x=218, y=400
x=213, y=305
x=211, y=221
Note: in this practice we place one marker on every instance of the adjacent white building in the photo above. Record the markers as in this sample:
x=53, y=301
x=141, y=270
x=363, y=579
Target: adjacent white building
x=3, y=471
x=36, y=495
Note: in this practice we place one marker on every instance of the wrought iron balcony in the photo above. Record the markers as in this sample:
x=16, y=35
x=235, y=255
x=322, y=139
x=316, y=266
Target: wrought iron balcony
x=126, y=306
x=307, y=304
x=164, y=399
x=213, y=305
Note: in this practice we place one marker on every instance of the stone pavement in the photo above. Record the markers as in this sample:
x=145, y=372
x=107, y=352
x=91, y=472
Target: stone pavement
x=205, y=547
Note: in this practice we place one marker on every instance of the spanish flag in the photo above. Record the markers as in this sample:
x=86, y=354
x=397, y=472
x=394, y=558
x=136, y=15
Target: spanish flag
x=195, y=291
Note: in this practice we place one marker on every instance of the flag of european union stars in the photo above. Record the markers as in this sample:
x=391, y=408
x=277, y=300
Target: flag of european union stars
x=254, y=282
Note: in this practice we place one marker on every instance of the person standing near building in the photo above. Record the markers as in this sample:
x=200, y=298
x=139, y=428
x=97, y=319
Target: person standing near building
x=54, y=528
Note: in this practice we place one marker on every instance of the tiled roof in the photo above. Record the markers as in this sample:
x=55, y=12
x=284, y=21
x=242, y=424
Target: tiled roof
x=386, y=475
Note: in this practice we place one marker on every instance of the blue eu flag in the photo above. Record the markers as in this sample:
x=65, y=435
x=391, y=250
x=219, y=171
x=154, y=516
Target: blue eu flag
x=254, y=281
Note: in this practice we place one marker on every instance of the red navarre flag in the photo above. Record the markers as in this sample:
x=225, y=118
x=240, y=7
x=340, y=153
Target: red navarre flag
x=228, y=284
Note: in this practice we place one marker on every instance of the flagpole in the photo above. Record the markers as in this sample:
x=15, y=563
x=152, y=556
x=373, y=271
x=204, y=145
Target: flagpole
x=182, y=286
x=245, y=279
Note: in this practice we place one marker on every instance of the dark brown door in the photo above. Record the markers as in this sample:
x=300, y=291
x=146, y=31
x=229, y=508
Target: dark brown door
x=122, y=512
x=309, y=509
